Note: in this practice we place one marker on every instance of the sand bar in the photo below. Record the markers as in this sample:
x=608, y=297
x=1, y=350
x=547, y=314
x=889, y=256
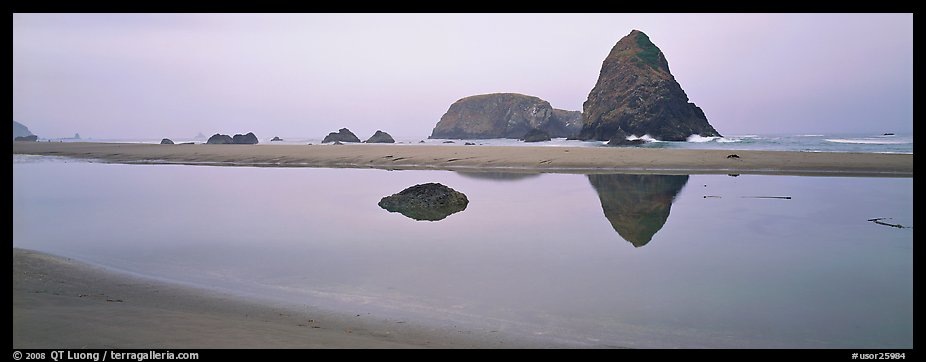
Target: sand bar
x=62, y=303
x=494, y=158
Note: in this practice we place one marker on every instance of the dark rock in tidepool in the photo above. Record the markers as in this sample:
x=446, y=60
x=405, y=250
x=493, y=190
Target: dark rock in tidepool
x=220, y=139
x=30, y=138
x=430, y=201
x=380, y=137
x=637, y=205
x=276, y=139
x=535, y=135
x=469, y=144
x=448, y=142
x=343, y=135
x=637, y=95
x=245, y=139
x=620, y=139
x=167, y=141
x=504, y=115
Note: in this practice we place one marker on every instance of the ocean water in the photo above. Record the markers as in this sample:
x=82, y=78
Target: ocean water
x=602, y=260
x=873, y=143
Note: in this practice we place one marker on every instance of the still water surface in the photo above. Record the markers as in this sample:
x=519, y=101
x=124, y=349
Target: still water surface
x=595, y=260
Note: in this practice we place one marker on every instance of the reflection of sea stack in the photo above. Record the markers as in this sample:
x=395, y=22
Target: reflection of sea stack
x=637, y=205
x=497, y=176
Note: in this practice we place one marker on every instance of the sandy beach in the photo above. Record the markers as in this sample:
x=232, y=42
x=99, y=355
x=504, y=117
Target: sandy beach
x=62, y=303
x=531, y=159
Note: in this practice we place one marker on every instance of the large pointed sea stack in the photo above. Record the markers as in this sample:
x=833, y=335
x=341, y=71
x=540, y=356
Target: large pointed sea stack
x=637, y=95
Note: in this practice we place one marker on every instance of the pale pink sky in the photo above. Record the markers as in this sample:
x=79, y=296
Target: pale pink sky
x=173, y=75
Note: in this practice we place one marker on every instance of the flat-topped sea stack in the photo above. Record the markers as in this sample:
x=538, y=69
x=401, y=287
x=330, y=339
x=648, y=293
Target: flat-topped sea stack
x=637, y=95
x=505, y=115
x=20, y=130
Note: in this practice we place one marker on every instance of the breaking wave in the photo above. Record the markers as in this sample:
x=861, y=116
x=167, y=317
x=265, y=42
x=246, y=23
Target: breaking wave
x=867, y=141
x=646, y=138
x=699, y=139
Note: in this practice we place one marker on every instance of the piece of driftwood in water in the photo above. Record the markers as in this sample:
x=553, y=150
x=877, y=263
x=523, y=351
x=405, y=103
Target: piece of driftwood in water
x=878, y=221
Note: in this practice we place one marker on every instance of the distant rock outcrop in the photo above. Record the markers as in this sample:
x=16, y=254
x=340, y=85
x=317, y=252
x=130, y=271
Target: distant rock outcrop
x=30, y=138
x=238, y=139
x=380, y=137
x=343, y=135
x=276, y=139
x=219, y=139
x=637, y=205
x=245, y=139
x=535, y=135
x=167, y=141
x=430, y=201
x=504, y=115
x=20, y=130
x=637, y=95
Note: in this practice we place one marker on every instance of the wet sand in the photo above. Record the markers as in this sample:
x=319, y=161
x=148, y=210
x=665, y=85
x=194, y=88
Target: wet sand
x=62, y=303
x=488, y=158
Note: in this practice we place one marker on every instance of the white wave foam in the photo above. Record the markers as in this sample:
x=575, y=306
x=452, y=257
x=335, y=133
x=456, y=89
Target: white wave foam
x=646, y=138
x=809, y=135
x=866, y=141
x=728, y=140
x=698, y=139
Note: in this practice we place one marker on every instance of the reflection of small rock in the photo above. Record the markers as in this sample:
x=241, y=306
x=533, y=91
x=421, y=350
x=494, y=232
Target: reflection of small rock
x=29, y=138
x=733, y=174
x=430, y=201
x=337, y=143
x=448, y=142
x=879, y=222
